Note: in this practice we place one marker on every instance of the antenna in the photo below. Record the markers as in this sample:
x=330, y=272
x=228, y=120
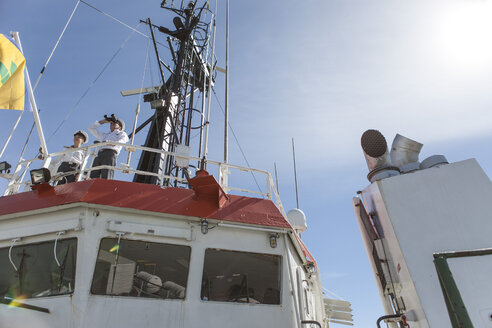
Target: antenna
x=295, y=171
x=276, y=177
x=226, y=114
x=174, y=115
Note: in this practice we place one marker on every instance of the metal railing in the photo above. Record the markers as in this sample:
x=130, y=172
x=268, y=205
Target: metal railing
x=18, y=181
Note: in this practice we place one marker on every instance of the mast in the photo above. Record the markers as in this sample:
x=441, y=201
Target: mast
x=35, y=113
x=209, y=93
x=226, y=114
x=173, y=121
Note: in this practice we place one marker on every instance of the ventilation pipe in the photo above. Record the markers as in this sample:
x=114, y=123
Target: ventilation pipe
x=377, y=157
x=405, y=154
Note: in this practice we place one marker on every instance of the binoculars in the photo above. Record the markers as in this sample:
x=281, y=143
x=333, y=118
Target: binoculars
x=111, y=118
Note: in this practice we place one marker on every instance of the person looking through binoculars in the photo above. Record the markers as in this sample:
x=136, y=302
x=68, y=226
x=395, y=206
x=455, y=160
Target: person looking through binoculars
x=107, y=154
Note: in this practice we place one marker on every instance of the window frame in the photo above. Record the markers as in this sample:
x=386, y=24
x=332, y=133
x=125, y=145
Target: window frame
x=160, y=242
x=45, y=240
x=280, y=277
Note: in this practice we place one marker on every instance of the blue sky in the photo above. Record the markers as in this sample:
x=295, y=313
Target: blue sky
x=321, y=72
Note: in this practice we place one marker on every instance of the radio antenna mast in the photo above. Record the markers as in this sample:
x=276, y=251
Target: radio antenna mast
x=295, y=171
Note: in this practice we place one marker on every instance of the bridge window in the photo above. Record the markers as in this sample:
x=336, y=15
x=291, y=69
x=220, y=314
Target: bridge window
x=231, y=276
x=141, y=269
x=33, y=271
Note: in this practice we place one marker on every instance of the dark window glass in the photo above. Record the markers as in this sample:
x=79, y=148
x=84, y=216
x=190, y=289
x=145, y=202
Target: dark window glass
x=230, y=276
x=38, y=274
x=141, y=269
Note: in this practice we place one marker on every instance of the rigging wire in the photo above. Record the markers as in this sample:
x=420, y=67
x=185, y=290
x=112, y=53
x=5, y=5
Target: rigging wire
x=93, y=82
x=56, y=45
x=42, y=71
x=332, y=293
x=237, y=141
x=113, y=18
x=143, y=74
x=137, y=112
x=27, y=141
x=120, y=22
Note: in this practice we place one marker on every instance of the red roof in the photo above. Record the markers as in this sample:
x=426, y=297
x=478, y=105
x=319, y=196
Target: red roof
x=147, y=197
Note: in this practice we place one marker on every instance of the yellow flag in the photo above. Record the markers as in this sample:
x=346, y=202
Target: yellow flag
x=12, y=63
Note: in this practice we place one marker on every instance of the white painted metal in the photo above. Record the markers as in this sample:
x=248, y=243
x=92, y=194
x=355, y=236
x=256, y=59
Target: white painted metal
x=151, y=230
x=132, y=92
x=405, y=153
x=182, y=156
x=40, y=229
x=369, y=248
x=84, y=310
x=297, y=219
x=435, y=210
x=35, y=113
x=472, y=276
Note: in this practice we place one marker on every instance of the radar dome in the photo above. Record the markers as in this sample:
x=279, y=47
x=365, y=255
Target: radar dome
x=297, y=219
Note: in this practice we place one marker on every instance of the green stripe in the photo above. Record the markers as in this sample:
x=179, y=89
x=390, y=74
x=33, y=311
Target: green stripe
x=4, y=73
x=13, y=68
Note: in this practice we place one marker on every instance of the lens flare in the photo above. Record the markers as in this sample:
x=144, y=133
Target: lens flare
x=14, y=302
x=115, y=248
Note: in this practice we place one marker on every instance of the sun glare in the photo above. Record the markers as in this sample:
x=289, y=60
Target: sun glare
x=464, y=34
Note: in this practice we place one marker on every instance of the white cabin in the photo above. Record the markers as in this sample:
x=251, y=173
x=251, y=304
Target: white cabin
x=106, y=253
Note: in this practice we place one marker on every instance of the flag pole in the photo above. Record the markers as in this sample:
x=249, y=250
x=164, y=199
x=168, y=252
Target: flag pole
x=44, y=149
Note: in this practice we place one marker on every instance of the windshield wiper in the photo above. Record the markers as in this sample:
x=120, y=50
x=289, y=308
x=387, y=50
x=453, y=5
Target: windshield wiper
x=12, y=302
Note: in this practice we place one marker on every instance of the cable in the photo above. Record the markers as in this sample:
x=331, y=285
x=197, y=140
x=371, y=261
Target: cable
x=44, y=68
x=56, y=45
x=27, y=141
x=237, y=142
x=92, y=83
x=120, y=22
x=332, y=293
x=113, y=18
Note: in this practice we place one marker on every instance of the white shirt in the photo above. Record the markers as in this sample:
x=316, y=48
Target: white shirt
x=115, y=136
x=75, y=157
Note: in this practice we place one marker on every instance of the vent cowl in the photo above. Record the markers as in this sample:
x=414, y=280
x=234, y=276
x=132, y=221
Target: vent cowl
x=377, y=156
x=405, y=154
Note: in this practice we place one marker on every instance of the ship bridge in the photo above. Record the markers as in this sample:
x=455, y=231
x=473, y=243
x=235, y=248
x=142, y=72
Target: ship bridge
x=124, y=254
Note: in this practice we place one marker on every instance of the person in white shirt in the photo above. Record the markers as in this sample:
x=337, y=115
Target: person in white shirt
x=70, y=162
x=107, y=154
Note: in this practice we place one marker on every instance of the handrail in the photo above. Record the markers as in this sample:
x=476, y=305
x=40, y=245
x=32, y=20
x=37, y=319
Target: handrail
x=17, y=179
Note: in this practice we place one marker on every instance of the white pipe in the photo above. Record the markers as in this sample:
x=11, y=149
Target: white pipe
x=226, y=114
x=35, y=113
x=209, y=91
x=235, y=226
x=137, y=111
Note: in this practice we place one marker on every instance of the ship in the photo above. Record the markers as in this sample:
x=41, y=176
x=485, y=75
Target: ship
x=165, y=243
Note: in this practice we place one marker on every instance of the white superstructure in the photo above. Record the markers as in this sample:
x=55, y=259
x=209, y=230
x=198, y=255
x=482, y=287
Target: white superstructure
x=428, y=235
